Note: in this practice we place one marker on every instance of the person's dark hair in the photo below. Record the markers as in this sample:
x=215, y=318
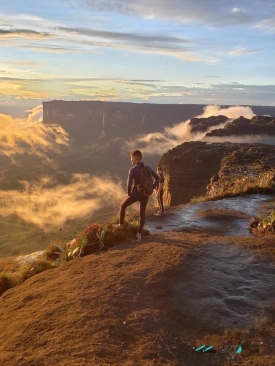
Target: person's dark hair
x=159, y=168
x=136, y=153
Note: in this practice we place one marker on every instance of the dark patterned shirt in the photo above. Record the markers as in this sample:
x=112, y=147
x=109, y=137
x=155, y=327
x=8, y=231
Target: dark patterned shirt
x=134, y=179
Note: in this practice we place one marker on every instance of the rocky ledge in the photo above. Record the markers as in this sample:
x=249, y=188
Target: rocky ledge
x=257, y=125
x=189, y=167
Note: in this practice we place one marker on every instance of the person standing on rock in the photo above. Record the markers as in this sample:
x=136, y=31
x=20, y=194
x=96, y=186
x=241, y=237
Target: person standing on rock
x=159, y=192
x=210, y=187
x=136, y=189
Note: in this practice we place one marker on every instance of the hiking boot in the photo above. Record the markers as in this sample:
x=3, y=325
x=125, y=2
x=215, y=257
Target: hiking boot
x=158, y=214
x=138, y=237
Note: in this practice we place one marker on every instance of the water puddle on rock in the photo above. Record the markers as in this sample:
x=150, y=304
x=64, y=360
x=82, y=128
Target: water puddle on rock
x=228, y=217
x=224, y=286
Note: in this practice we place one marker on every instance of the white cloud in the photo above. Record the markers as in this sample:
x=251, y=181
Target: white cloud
x=267, y=24
x=29, y=137
x=243, y=51
x=30, y=17
x=35, y=115
x=9, y=123
x=230, y=112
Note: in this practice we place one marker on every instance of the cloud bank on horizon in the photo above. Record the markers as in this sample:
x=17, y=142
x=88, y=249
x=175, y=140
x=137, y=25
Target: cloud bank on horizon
x=158, y=143
x=184, y=51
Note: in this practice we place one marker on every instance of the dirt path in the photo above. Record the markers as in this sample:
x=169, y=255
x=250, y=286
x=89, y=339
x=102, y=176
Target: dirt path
x=149, y=303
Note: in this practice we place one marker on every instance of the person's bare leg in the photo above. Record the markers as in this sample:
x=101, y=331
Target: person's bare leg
x=142, y=208
x=127, y=202
x=159, y=213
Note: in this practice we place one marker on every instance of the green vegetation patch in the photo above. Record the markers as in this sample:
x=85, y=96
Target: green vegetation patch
x=264, y=183
x=93, y=239
x=263, y=224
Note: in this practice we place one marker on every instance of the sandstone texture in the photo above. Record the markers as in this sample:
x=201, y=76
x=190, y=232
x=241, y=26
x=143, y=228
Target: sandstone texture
x=189, y=167
x=258, y=125
x=203, y=124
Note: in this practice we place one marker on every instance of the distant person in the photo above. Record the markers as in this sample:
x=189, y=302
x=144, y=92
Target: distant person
x=134, y=193
x=210, y=187
x=159, y=192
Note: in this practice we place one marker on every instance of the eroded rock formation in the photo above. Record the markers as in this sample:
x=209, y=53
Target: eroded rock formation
x=203, y=124
x=258, y=125
x=189, y=167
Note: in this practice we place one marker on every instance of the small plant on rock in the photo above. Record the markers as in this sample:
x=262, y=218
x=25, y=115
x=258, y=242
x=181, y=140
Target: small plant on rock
x=82, y=245
x=101, y=238
x=63, y=255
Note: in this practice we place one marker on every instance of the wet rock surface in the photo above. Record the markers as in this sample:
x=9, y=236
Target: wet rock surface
x=229, y=217
x=226, y=284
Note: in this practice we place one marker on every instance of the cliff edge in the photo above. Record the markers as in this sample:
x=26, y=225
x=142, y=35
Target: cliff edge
x=189, y=167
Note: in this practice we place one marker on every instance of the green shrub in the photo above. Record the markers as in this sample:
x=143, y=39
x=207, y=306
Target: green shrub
x=50, y=252
x=263, y=223
x=94, y=238
x=235, y=187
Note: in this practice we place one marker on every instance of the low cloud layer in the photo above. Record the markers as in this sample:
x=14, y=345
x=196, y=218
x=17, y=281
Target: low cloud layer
x=9, y=123
x=30, y=137
x=50, y=207
x=159, y=143
x=45, y=203
x=230, y=112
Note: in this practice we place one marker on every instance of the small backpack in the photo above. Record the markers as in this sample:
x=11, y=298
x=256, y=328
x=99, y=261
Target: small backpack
x=145, y=187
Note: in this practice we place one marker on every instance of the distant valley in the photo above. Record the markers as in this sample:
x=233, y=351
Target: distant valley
x=78, y=140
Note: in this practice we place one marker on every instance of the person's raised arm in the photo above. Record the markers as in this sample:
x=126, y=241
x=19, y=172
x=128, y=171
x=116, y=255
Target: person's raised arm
x=129, y=181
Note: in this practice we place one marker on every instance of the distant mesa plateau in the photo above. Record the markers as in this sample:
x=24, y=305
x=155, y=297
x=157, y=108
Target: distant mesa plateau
x=91, y=120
